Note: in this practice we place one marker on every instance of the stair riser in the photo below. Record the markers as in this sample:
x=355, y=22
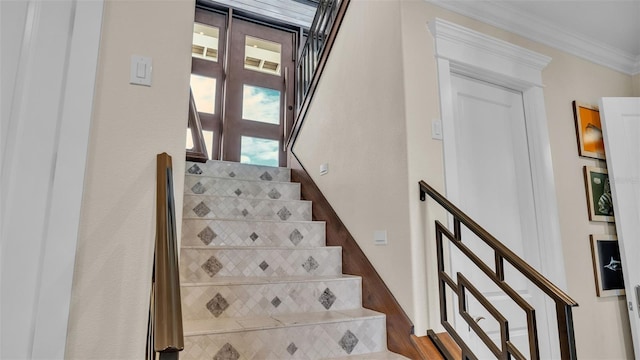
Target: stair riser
x=311, y=341
x=201, y=265
x=225, y=301
x=238, y=171
x=252, y=233
x=199, y=185
x=211, y=207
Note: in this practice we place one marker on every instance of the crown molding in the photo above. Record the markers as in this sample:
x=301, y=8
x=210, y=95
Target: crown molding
x=468, y=50
x=533, y=28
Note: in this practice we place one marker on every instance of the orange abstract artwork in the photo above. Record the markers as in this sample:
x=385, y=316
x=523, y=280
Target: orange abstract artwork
x=590, y=139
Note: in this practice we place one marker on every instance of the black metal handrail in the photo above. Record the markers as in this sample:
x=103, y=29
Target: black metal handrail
x=165, y=335
x=462, y=286
x=313, y=55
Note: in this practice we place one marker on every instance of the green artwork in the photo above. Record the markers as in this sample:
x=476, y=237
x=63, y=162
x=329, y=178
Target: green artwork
x=601, y=194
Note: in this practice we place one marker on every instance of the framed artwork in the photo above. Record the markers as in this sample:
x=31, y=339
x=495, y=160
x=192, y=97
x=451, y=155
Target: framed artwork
x=607, y=267
x=588, y=130
x=599, y=198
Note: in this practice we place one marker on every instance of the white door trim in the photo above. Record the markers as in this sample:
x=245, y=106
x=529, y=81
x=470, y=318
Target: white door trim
x=43, y=168
x=466, y=52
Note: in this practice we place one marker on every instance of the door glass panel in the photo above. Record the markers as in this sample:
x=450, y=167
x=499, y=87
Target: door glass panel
x=262, y=55
x=260, y=104
x=208, y=141
x=205, y=42
x=259, y=151
x=204, y=93
x=189, y=145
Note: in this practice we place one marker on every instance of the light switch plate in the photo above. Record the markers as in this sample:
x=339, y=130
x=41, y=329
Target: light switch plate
x=436, y=129
x=324, y=169
x=380, y=237
x=141, y=67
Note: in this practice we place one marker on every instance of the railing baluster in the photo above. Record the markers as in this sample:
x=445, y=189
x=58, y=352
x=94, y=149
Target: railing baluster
x=501, y=253
x=499, y=267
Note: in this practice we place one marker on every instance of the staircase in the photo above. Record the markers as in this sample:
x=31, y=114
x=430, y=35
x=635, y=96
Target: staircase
x=258, y=281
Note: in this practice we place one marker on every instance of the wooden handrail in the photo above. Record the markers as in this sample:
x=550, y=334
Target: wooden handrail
x=564, y=303
x=166, y=309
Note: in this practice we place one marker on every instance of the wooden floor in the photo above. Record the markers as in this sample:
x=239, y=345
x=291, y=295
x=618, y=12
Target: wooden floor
x=429, y=351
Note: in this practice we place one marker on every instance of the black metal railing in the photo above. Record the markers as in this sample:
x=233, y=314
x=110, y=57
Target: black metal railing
x=462, y=288
x=165, y=336
x=314, y=53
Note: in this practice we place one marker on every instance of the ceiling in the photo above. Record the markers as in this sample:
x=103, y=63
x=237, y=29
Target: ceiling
x=606, y=32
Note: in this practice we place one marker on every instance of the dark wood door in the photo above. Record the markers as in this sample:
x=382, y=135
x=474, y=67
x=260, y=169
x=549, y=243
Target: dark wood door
x=243, y=88
x=208, y=52
x=259, y=94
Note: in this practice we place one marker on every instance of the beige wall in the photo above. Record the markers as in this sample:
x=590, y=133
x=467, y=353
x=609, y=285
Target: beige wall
x=130, y=125
x=636, y=85
x=355, y=125
x=602, y=329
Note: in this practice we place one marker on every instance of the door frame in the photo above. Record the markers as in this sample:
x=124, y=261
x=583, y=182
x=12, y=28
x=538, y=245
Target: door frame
x=626, y=211
x=459, y=50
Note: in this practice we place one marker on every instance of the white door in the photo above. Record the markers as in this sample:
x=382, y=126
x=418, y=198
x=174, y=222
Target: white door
x=621, y=127
x=489, y=177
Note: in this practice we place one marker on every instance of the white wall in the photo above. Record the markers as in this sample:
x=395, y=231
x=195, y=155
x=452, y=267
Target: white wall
x=50, y=52
x=371, y=119
x=130, y=125
x=356, y=125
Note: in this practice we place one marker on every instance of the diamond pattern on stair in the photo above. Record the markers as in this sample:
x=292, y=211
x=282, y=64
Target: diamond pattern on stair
x=201, y=209
x=348, y=341
x=198, y=188
x=238, y=232
x=313, y=341
x=310, y=264
x=276, y=302
x=223, y=169
x=227, y=352
x=207, y=235
x=284, y=213
x=266, y=176
x=327, y=298
x=264, y=285
x=263, y=265
x=212, y=266
x=239, y=208
x=298, y=296
x=292, y=348
x=274, y=194
x=239, y=187
x=295, y=237
x=245, y=262
x=194, y=169
x=217, y=305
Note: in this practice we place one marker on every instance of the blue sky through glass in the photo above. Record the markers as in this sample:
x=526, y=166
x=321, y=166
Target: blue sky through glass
x=259, y=151
x=261, y=104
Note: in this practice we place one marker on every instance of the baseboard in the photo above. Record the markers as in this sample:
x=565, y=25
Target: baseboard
x=375, y=293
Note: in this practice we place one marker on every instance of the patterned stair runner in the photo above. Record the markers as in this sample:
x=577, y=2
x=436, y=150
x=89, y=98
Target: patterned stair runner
x=258, y=281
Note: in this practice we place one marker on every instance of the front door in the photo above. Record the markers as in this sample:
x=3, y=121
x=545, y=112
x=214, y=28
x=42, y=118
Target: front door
x=493, y=185
x=243, y=87
x=621, y=128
